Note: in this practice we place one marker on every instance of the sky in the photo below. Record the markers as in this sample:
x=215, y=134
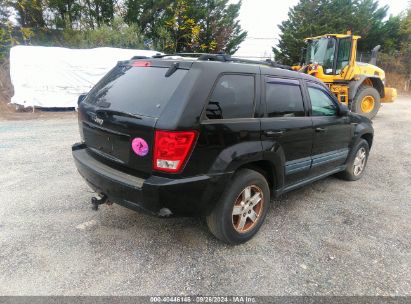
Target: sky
x=261, y=17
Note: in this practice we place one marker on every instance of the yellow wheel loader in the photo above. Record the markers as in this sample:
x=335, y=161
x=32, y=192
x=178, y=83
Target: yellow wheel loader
x=332, y=58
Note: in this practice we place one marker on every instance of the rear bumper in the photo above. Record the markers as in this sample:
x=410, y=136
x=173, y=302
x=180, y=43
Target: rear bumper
x=155, y=195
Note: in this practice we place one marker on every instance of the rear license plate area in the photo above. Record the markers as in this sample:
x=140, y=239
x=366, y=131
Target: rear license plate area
x=106, y=141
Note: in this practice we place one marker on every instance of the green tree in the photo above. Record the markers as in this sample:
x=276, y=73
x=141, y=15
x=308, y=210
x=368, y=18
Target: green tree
x=317, y=17
x=220, y=29
x=147, y=14
x=6, y=40
x=183, y=28
x=29, y=13
x=118, y=34
x=78, y=14
x=405, y=32
x=66, y=12
x=188, y=25
x=9, y=34
x=405, y=45
x=4, y=11
x=103, y=12
x=391, y=35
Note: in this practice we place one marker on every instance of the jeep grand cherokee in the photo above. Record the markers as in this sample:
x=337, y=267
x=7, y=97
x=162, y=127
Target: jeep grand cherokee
x=213, y=137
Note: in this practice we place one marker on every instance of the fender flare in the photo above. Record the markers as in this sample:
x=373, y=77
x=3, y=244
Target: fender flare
x=233, y=157
x=353, y=86
x=360, y=131
x=230, y=160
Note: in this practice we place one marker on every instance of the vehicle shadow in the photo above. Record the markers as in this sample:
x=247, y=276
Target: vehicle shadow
x=192, y=233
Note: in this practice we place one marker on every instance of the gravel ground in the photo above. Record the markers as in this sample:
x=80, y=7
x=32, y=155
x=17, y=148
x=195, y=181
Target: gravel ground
x=330, y=238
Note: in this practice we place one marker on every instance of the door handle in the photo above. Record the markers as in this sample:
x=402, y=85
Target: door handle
x=320, y=129
x=273, y=133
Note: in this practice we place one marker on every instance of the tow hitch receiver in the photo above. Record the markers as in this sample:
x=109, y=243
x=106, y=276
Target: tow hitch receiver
x=95, y=202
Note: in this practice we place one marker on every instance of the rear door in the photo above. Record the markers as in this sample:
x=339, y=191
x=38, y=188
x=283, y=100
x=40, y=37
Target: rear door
x=332, y=132
x=230, y=132
x=286, y=127
x=118, y=116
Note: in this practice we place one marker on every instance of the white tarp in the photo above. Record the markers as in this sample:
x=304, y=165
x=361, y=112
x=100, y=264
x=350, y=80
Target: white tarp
x=55, y=77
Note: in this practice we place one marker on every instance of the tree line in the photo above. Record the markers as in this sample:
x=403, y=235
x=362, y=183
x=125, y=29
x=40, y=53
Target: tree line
x=164, y=25
x=194, y=25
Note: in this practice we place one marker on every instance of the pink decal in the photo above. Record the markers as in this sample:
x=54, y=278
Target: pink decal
x=140, y=146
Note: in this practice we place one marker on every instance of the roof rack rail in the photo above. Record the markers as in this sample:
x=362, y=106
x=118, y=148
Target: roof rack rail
x=225, y=58
x=178, y=54
x=278, y=65
x=222, y=57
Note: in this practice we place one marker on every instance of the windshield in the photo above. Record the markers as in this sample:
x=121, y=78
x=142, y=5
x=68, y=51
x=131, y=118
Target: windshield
x=321, y=51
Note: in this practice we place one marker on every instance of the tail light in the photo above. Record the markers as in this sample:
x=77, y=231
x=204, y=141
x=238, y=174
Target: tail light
x=171, y=149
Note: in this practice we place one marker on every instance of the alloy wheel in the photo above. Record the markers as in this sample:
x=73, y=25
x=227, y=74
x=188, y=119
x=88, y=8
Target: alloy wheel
x=247, y=209
x=359, y=161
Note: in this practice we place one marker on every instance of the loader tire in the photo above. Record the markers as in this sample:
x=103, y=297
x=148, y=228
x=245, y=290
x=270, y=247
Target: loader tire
x=366, y=102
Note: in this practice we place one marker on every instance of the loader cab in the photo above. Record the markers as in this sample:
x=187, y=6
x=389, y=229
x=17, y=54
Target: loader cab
x=330, y=55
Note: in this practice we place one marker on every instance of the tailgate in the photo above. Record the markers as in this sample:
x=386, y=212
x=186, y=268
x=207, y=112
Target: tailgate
x=111, y=136
x=118, y=116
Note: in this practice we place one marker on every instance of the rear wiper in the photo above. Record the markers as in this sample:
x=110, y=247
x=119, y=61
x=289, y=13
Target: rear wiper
x=118, y=113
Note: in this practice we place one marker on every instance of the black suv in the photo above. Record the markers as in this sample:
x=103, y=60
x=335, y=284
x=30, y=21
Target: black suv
x=213, y=137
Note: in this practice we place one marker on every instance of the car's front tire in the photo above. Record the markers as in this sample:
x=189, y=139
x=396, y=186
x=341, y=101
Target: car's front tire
x=241, y=211
x=357, y=160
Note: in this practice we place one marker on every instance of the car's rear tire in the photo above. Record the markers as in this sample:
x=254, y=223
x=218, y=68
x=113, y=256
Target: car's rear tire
x=357, y=161
x=241, y=211
x=366, y=102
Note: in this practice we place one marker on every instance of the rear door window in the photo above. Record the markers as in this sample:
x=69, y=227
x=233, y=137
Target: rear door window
x=233, y=97
x=136, y=90
x=284, y=98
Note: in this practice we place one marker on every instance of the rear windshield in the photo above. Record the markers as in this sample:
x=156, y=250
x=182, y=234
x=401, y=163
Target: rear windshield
x=136, y=90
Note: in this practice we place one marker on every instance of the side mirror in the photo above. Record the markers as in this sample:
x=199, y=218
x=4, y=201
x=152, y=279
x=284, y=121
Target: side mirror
x=81, y=98
x=343, y=110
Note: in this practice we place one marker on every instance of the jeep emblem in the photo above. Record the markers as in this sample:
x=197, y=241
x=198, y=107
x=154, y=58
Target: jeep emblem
x=96, y=119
